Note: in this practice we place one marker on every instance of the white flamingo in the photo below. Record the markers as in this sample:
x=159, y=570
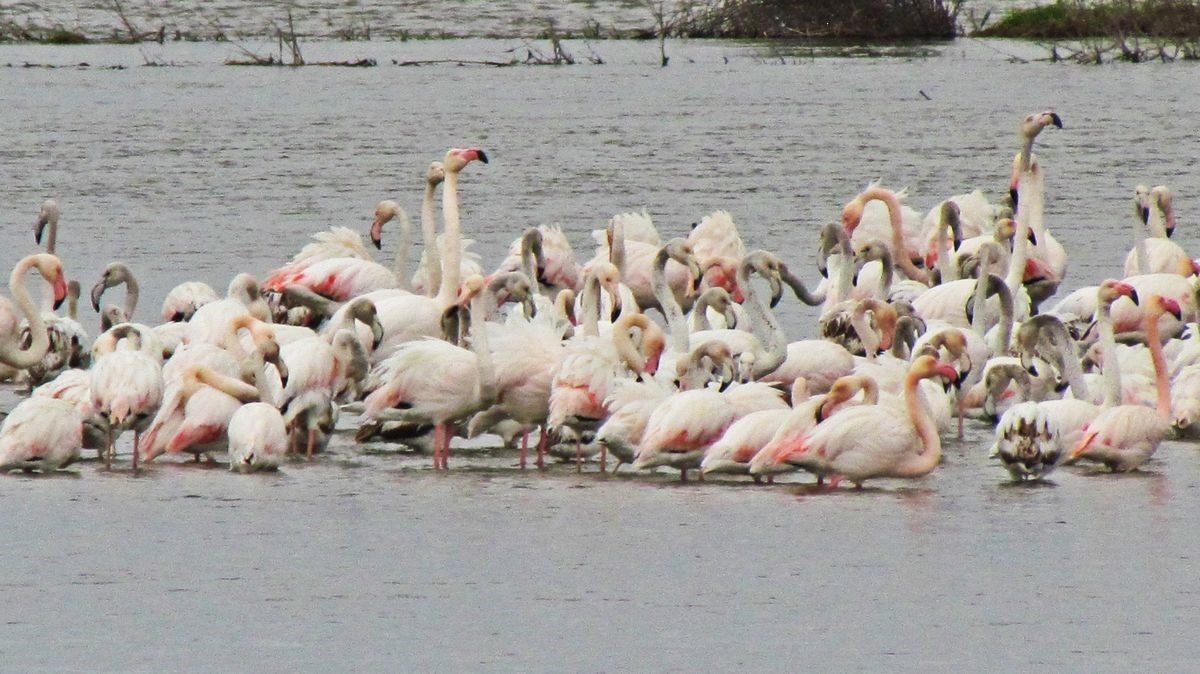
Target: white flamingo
x=257, y=438
x=41, y=433
x=126, y=385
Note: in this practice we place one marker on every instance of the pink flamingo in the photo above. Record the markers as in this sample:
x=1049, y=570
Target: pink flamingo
x=11, y=353
x=257, y=438
x=1124, y=437
x=852, y=447
x=41, y=433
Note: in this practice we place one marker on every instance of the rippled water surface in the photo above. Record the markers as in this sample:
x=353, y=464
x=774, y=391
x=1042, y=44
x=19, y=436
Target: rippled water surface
x=366, y=560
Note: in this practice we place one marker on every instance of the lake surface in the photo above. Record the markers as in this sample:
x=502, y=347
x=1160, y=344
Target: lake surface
x=366, y=560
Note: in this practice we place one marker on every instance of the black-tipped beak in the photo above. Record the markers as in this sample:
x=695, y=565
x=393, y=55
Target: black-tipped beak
x=1170, y=232
x=1134, y=296
x=37, y=231
x=1012, y=196
x=1056, y=120
x=483, y=155
x=97, y=293
x=377, y=241
x=615, y=313
x=59, y=302
x=1177, y=313
x=1032, y=237
x=1145, y=211
x=376, y=335
x=1032, y=371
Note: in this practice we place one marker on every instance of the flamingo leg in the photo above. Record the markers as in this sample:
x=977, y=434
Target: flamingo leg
x=578, y=455
x=524, y=447
x=137, y=436
x=683, y=474
x=447, y=434
x=108, y=451
x=312, y=438
x=603, y=457
x=438, y=431
x=541, y=449
x=770, y=479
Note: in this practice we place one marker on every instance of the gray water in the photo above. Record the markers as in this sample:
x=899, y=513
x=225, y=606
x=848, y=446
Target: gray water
x=366, y=560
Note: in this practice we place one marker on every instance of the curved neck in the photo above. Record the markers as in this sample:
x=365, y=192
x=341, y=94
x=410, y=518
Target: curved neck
x=1070, y=362
x=400, y=266
x=10, y=350
x=132, y=290
x=896, y=218
x=676, y=325
x=866, y=334
x=230, y=386
x=931, y=444
x=764, y=325
x=452, y=247
x=433, y=257
x=626, y=351
x=1161, y=384
x=947, y=269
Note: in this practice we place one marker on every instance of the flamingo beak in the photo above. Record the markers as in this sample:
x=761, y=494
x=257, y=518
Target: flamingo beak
x=1056, y=120
x=60, y=290
x=1170, y=224
x=97, y=293
x=482, y=156
x=694, y=270
x=1128, y=291
x=1170, y=305
x=376, y=333
x=38, y=228
x=1145, y=213
x=377, y=232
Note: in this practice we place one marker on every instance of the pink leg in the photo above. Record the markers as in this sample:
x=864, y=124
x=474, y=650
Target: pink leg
x=770, y=479
x=541, y=449
x=447, y=434
x=834, y=480
x=683, y=475
x=524, y=447
x=438, y=431
x=312, y=437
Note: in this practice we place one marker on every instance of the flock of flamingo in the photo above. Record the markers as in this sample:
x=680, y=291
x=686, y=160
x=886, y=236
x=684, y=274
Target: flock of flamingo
x=924, y=321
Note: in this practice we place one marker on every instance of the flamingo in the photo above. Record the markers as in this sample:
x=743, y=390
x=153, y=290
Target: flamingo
x=436, y=382
x=195, y=413
x=47, y=219
x=782, y=449
x=1032, y=438
x=911, y=448
x=1124, y=437
x=41, y=433
x=742, y=441
x=126, y=385
x=11, y=353
x=211, y=321
x=117, y=273
x=183, y=300
x=1157, y=253
x=257, y=438
x=903, y=236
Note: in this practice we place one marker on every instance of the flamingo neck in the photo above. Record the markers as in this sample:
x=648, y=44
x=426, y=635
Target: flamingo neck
x=10, y=351
x=483, y=353
x=764, y=326
x=590, y=303
x=1020, y=253
x=400, y=266
x=1111, y=364
x=946, y=269
x=676, y=325
x=1161, y=384
x=451, y=240
x=132, y=291
x=1140, y=256
x=896, y=218
x=235, y=388
x=616, y=246
x=930, y=453
x=866, y=334
x=1004, y=327
x=626, y=351
x=52, y=235
x=433, y=257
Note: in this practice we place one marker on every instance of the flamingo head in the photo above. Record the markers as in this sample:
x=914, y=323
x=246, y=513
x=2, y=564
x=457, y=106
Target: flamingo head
x=1163, y=199
x=565, y=302
x=680, y=250
x=1166, y=305
x=1111, y=289
x=435, y=174
x=51, y=269
x=843, y=390
x=653, y=343
x=114, y=274
x=458, y=158
x=47, y=214
x=609, y=278
x=925, y=367
x=363, y=309
x=471, y=286
x=384, y=212
x=1033, y=124
x=852, y=214
x=952, y=219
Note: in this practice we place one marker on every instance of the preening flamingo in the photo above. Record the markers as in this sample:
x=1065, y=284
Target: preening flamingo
x=257, y=438
x=41, y=433
x=11, y=353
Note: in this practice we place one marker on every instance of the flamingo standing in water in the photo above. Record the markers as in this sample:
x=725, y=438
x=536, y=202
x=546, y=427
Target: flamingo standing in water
x=1124, y=437
x=126, y=385
x=851, y=446
x=11, y=353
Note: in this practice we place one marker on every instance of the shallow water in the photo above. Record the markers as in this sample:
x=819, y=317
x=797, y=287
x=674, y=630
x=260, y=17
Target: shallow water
x=367, y=560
